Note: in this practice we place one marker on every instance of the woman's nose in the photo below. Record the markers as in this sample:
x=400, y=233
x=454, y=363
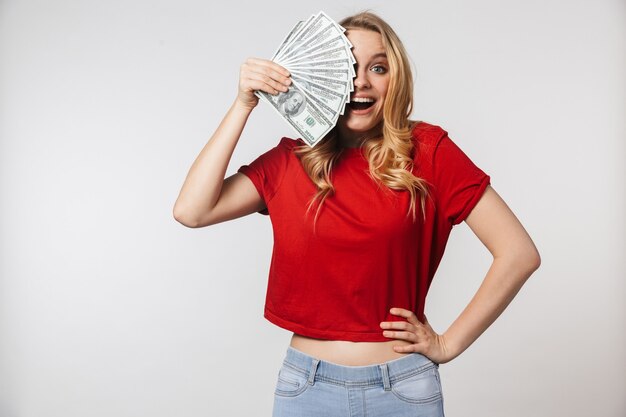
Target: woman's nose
x=361, y=80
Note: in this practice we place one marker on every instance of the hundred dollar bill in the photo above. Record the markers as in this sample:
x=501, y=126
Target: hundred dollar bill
x=315, y=82
x=319, y=57
x=296, y=39
x=312, y=25
x=335, y=74
x=339, y=52
x=330, y=113
x=323, y=28
x=295, y=30
x=329, y=63
x=330, y=97
x=337, y=84
x=314, y=51
x=297, y=110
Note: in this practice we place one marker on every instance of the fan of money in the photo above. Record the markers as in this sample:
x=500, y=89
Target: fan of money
x=319, y=57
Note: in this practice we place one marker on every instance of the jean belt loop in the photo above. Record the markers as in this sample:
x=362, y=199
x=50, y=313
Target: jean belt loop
x=313, y=371
x=385, y=371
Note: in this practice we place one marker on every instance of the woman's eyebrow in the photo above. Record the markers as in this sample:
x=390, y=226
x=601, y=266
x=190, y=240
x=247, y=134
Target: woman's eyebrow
x=376, y=56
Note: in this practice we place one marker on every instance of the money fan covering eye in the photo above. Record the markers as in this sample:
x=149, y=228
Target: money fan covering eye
x=319, y=57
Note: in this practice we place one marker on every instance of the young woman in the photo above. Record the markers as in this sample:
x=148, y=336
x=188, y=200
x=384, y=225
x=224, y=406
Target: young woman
x=360, y=224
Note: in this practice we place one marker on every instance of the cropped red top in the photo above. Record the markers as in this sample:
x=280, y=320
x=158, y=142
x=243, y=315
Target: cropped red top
x=366, y=254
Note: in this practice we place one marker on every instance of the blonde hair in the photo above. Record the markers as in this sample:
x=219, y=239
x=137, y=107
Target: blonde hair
x=390, y=157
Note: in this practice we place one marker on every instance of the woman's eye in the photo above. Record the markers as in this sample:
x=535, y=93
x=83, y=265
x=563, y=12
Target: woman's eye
x=379, y=69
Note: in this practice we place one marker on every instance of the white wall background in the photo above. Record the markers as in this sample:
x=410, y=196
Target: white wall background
x=108, y=307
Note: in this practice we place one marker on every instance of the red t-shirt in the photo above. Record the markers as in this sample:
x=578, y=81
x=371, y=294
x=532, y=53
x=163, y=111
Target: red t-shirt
x=366, y=255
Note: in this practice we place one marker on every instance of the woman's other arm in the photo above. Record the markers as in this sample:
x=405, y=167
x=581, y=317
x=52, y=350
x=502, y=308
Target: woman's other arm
x=515, y=258
x=206, y=197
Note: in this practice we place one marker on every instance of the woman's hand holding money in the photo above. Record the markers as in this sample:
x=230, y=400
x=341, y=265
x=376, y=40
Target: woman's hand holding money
x=260, y=74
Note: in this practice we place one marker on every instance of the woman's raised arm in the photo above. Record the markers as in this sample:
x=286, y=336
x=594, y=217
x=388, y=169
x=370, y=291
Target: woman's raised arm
x=206, y=197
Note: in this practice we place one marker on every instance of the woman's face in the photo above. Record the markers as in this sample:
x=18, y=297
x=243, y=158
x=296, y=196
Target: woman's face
x=365, y=110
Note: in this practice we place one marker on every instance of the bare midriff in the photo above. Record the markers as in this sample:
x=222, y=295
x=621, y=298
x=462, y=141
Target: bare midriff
x=347, y=353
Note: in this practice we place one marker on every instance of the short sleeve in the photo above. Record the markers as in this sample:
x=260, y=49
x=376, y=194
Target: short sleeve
x=267, y=171
x=459, y=182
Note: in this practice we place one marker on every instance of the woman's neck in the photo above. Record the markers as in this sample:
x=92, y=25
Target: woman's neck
x=351, y=143
x=351, y=139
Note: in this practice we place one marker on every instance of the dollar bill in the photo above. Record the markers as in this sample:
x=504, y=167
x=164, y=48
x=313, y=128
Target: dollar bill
x=295, y=108
x=312, y=52
x=321, y=29
x=330, y=113
x=319, y=58
x=289, y=36
x=330, y=97
x=335, y=74
x=338, y=52
x=337, y=84
x=296, y=39
x=333, y=64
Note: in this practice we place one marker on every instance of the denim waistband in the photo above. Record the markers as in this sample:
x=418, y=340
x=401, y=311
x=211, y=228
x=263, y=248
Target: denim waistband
x=383, y=374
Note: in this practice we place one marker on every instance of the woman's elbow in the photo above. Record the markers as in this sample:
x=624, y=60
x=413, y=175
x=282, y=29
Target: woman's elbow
x=534, y=260
x=523, y=258
x=185, y=218
x=528, y=259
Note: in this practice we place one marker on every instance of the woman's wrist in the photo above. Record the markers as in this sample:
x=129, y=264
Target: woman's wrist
x=242, y=107
x=449, y=346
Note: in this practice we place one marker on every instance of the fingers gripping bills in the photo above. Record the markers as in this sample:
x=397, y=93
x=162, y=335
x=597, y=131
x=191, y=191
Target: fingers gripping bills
x=319, y=58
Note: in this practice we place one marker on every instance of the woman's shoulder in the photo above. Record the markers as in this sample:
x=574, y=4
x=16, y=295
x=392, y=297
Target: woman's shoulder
x=284, y=149
x=426, y=138
x=289, y=144
x=427, y=134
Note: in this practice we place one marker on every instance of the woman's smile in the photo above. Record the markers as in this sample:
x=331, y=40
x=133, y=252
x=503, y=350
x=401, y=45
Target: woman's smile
x=361, y=105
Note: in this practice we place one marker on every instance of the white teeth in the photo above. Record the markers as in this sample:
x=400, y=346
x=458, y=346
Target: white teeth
x=363, y=100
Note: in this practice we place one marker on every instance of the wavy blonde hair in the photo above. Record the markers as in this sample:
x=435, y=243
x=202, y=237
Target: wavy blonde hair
x=390, y=154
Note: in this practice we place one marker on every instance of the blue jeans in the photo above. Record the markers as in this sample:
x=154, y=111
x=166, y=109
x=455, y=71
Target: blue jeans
x=309, y=387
